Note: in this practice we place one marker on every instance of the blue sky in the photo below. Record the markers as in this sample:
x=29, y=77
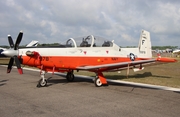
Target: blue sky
x=50, y=21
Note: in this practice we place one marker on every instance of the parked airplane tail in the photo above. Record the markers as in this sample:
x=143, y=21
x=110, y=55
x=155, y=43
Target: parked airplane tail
x=32, y=44
x=145, y=44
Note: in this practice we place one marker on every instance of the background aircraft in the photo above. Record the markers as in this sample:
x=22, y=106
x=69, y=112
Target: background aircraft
x=90, y=53
x=177, y=51
x=32, y=44
x=1, y=50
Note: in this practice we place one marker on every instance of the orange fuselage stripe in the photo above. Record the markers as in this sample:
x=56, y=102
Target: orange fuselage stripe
x=71, y=62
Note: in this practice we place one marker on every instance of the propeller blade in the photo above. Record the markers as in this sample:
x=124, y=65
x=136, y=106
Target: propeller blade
x=11, y=61
x=11, y=43
x=14, y=53
x=18, y=65
x=18, y=41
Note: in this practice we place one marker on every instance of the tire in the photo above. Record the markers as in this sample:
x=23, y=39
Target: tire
x=70, y=77
x=41, y=83
x=97, y=82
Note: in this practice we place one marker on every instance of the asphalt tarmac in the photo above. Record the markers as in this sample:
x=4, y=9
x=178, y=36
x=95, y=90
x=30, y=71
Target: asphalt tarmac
x=19, y=96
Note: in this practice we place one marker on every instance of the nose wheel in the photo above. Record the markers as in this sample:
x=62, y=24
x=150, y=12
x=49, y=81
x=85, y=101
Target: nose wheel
x=42, y=82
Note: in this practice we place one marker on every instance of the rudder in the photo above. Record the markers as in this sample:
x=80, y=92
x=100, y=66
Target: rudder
x=145, y=44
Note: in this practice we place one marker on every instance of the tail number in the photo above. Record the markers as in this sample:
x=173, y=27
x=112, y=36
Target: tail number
x=45, y=58
x=142, y=52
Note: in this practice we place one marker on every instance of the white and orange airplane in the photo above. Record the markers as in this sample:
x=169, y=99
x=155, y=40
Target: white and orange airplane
x=90, y=53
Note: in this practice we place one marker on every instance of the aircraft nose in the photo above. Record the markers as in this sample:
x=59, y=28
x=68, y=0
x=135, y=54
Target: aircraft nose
x=10, y=53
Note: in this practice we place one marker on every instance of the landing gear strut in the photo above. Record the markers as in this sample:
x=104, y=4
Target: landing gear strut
x=70, y=76
x=42, y=82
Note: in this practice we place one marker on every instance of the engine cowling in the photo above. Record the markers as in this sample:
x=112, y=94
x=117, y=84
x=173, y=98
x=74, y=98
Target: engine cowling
x=33, y=58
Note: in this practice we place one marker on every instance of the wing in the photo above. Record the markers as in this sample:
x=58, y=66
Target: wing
x=107, y=67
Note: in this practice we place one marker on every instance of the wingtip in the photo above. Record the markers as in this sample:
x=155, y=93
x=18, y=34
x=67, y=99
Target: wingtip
x=9, y=35
x=21, y=31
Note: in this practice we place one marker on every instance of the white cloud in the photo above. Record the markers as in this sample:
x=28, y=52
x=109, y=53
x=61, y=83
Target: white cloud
x=49, y=21
x=10, y=3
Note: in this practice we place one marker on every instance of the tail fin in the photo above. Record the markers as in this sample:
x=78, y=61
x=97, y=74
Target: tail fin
x=145, y=44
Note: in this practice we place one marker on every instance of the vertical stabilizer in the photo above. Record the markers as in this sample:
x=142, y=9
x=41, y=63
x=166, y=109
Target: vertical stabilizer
x=145, y=44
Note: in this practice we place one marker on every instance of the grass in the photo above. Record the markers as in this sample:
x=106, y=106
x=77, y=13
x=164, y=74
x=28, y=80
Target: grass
x=4, y=61
x=167, y=74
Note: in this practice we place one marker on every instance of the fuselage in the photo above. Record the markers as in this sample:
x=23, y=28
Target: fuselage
x=70, y=58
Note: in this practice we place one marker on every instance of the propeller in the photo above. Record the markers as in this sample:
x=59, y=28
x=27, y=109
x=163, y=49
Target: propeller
x=13, y=53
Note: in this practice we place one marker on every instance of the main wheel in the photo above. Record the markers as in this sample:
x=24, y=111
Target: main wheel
x=42, y=83
x=97, y=82
x=70, y=77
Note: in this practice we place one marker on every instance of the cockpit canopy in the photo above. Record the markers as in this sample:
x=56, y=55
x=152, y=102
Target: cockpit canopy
x=89, y=41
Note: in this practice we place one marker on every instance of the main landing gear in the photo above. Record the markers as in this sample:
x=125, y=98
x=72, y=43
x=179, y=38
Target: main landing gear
x=100, y=80
x=70, y=76
x=97, y=82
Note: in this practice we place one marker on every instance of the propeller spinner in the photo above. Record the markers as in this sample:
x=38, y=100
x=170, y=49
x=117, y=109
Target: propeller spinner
x=13, y=53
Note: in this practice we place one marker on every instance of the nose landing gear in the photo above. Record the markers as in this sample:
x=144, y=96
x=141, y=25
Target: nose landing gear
x=42, y=82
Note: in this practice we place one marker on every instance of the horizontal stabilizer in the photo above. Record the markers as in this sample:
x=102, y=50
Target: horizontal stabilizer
x=166, y=59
